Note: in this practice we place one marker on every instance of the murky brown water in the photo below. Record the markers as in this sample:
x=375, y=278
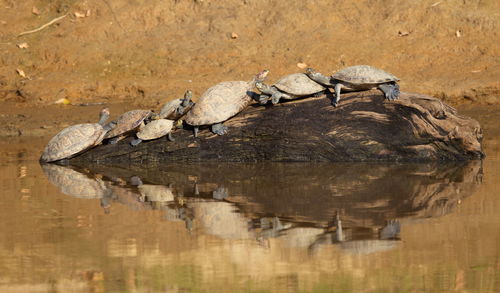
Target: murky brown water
x=258, y=227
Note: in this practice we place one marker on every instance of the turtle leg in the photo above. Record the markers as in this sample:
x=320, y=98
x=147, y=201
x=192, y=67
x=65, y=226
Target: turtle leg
x=335, y=101
x=114, y=140
x=219, y=129
x=135, y=142
x=390, y=90
x=275, y=98
x=195, y=129
x=263, y=99
x=169, y=136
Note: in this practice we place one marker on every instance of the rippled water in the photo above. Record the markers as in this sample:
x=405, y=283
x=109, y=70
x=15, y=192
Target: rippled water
x=255, y=227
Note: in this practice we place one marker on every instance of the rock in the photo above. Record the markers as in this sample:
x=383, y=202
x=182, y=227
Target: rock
x=365, y=127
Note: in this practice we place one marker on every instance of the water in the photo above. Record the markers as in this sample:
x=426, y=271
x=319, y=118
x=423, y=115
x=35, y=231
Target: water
x=256, y=227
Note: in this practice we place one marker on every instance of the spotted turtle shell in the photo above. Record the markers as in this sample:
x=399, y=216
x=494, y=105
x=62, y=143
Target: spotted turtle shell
x=364, y=74
x=73, y=140
x=220, y=102
x=127, y=122
x=299, y=84
x=155, y=129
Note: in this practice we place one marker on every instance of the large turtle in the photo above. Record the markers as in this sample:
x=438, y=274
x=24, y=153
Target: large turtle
x=358, y=78
x=76, y=139
x=153, y=130
x=289, y=87
x=175, y=109
x=222, y=102
x=128, y=122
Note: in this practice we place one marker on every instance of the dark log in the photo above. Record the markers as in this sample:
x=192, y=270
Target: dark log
x=365, y=127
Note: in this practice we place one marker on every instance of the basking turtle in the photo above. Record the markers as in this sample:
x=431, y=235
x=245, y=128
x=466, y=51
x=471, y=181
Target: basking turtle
x=175, y=109
x=290, y=87
x=358, y=78
x=222, y=102
x=153, y=130
x=128, y=122
x=76, y=139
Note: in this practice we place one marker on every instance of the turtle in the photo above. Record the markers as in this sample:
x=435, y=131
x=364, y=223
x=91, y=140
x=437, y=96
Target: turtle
x=221, y=102
x=175, y=109
x=153, y=130
x=76, y=139
x=358, y=78
x=289, y=87
x=128, y=122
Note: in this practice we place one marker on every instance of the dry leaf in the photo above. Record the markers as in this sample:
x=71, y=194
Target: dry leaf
x=476, y=71
x=436, y=4
x=234, y=35
x=63, y=101
x=403, y=33
x=35, y=11
x=79, y=15
x=87, y=13
x=23, y=46
x=458, y=33
x=301, y=65
x=21, y=72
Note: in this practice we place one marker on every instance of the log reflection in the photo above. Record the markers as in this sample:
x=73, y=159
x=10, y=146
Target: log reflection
x=360, y=207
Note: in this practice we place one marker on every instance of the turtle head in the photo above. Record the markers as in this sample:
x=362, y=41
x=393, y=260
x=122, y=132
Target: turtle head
x=318, y=77
x=310, y=71
x=178, y=123
x=187, y=98
x=261, y=76
x=264, y=88
x=259, y=85
x=103, y=116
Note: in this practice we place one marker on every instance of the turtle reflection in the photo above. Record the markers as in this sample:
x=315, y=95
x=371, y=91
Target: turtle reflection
x=74, y=183
x=358, y=208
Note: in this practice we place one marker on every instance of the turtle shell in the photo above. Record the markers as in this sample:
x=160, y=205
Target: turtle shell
x=155, y=129
x=220, y=102
x=74, y=183
x=364, y=74
x=299, y=84
x=169, y=110
x=73, y=140
x=127, y=122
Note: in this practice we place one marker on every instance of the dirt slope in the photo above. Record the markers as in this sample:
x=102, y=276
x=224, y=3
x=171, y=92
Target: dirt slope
x=154, y=50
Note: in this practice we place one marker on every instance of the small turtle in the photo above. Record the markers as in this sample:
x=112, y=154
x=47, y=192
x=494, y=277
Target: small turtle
x=175, y=109
x=76, y=139
x=153, y=130
x=358, y=78
x=127, y=123
x=222, y=102
x=290, y=87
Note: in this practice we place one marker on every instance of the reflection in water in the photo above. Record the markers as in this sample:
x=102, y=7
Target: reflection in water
x=74, y=183
x=358, y=207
